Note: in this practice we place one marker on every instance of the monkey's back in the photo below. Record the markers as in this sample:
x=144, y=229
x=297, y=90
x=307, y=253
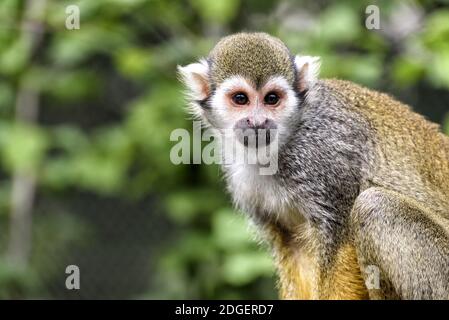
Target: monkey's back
x=411, y=154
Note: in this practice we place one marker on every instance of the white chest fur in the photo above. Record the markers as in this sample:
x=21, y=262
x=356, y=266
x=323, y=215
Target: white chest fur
x=251, y=190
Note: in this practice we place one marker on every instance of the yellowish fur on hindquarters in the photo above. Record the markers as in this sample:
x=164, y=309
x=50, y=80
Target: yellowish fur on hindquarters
x=301, y=277
x=345, y=279
x=296, y=265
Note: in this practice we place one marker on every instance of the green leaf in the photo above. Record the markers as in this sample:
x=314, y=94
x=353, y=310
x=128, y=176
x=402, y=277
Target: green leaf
x=407, y=71
x=71, y=47
x=14, y=58
x=339, y=24
x=439, y=69
x=217, y=11
x=231, y=231
x=96, y=172
x=436, y=32
x=73, y=85
x=70, y=138
x=24, y=146
x=184, y=206
x=243, y=268
x=134, y=62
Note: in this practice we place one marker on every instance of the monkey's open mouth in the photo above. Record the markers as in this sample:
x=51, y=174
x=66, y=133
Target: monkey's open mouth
x=255, y=138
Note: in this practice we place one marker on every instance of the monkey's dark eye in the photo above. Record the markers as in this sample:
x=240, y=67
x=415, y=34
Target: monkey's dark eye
x=240, y=98
x=271, y=98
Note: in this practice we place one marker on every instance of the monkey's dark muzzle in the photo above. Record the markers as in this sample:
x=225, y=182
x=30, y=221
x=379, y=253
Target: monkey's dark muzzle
x=255, y=135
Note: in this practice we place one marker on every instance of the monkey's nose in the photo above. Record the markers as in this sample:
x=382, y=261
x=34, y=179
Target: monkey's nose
x=255, y=134
x=267, y=124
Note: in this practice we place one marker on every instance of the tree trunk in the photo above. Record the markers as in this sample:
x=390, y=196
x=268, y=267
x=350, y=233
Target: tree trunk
x=24, y=182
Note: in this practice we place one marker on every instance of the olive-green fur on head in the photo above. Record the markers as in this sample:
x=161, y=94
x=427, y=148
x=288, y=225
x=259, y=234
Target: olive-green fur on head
x=255, y=56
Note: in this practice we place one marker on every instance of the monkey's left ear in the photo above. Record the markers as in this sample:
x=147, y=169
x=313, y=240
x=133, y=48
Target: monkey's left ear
x=196, y=78
x=308, y=69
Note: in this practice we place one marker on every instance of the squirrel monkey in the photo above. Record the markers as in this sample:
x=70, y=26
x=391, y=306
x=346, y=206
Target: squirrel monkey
x=362, y=182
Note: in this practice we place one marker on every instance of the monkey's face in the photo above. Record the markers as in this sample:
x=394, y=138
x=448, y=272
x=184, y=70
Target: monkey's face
x=250, y=88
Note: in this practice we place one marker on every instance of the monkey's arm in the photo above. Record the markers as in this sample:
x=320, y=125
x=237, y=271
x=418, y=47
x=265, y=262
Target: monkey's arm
x=406, y=242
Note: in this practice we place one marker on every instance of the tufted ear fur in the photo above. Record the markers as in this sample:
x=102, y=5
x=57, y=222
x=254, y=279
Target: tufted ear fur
x=195, y=77
x=308, y=69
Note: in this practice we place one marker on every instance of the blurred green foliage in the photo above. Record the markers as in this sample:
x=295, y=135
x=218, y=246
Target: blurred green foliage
x=122, y=63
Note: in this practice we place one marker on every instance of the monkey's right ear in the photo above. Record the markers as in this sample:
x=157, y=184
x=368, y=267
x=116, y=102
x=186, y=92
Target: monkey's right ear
x=307, y=69
x=195, y=76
